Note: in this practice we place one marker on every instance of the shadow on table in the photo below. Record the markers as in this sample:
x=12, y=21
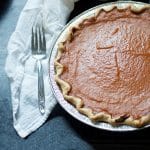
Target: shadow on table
x=100, y=139
x=109, y=139
x=4, y=7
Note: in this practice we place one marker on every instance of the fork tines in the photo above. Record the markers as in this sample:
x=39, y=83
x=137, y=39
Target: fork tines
x=38, y=41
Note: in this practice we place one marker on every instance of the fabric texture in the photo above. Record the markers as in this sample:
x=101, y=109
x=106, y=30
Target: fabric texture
x=21, y=66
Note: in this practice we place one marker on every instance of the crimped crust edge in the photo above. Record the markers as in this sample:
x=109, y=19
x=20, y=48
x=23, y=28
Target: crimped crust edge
x=77, y=102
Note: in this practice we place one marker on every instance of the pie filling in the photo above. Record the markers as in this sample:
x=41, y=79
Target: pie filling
x=107, y=63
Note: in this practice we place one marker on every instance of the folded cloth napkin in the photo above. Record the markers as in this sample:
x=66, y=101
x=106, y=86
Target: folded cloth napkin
x=20, y=66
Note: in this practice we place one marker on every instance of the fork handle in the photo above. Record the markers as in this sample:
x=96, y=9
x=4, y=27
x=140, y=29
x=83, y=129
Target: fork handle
x=41, y=94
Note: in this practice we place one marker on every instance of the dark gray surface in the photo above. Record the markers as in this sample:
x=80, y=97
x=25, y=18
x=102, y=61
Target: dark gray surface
x=61, y=131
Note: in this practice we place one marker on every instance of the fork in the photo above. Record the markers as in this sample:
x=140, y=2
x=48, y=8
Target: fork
x=38, y=47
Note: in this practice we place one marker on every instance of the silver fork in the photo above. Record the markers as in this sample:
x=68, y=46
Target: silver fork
x=38, y=47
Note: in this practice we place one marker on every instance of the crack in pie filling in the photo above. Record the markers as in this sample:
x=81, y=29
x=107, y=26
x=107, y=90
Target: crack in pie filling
x=103, y=66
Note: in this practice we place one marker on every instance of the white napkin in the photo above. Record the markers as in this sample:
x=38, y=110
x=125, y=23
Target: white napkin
x=20, y=66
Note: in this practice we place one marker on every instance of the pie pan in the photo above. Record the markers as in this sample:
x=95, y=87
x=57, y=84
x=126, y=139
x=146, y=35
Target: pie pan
x=67, y=106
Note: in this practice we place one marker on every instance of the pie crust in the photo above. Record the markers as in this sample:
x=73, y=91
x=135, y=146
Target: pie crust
x=65, y=87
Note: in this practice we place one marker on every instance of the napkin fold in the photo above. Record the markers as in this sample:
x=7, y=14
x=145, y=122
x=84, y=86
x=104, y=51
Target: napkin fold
x=21, y=67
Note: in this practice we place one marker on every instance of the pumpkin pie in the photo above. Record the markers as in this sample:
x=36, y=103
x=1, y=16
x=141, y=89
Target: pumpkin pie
x=103, y=65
